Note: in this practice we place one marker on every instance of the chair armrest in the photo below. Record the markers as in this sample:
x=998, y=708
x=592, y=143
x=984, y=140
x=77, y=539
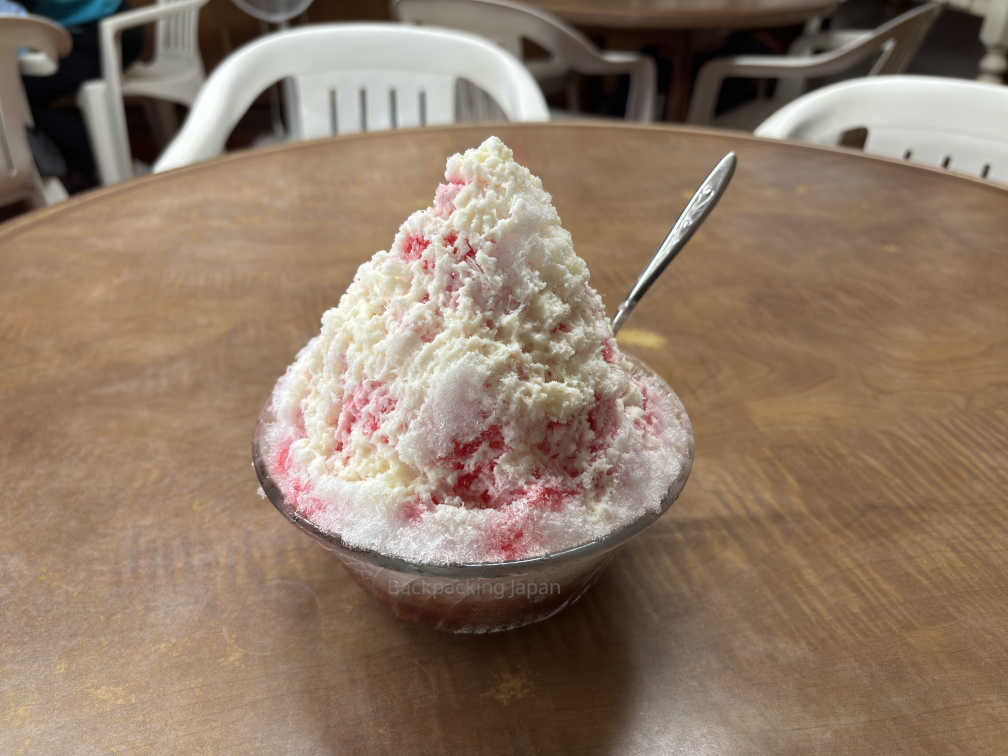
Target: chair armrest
x=822, y=41
x=149, y=14
x=643, y=79
x=643, y=83
x=640, y=68
x=46, y=38
x=35, y=63
x=605, y=62
x=831, y=40
x=109, y=29
x=758, y=66
x=620, y=62
x=714, y=72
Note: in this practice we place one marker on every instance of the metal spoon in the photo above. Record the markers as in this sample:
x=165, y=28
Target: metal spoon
x=695, y=212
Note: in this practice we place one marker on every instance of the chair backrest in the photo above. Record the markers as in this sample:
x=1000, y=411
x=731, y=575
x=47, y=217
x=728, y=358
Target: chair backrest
x=895, y=43
x=951, y=123
x=892, y=45
x=354, y=77
x=505, y=23
x=510, y=23
x=18, y=175
x=178, y=34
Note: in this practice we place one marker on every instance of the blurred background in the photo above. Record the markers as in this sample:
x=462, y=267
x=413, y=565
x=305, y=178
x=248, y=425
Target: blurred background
x=951, y=48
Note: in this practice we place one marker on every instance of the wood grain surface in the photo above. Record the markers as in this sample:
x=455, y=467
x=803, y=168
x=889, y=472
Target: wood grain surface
x=832, y=580
x=685, y=14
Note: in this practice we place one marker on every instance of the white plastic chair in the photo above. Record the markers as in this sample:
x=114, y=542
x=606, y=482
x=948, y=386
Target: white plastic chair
x=173, y=75
x=354, y=77
x=509, y=23
x=957, y=124
x=19, y=176
x=893, y=44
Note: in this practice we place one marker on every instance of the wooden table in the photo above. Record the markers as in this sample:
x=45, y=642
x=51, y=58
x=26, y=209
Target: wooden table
x=833, y=579
x=686, y=14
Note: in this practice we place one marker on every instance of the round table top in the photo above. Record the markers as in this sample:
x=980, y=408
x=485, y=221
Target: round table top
x=686, y=14
x=832, y=579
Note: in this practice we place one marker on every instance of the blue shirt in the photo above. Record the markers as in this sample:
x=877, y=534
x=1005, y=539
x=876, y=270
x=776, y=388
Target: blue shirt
x=74, y=12
x=7, y=8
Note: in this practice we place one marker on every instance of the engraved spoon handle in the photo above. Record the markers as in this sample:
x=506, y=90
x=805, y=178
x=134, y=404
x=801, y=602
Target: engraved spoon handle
x=696, y=211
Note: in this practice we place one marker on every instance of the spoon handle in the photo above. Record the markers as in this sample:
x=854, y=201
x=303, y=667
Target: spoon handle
x=696, y=211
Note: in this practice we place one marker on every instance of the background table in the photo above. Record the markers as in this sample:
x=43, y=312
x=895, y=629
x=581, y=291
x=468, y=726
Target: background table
x=686, y=14
x=678, y=29
x=834, y=576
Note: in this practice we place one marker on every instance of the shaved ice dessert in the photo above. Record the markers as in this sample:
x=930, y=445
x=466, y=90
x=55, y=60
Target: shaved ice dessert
x=466, y=402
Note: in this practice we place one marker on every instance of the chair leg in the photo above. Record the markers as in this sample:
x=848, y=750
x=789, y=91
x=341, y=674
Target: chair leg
x=47, y=192
x=111, y=159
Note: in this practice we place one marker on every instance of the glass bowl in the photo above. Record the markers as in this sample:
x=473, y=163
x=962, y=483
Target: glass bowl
x=478, y=597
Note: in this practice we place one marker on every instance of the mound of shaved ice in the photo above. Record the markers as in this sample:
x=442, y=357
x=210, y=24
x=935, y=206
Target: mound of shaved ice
x=466, y=400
